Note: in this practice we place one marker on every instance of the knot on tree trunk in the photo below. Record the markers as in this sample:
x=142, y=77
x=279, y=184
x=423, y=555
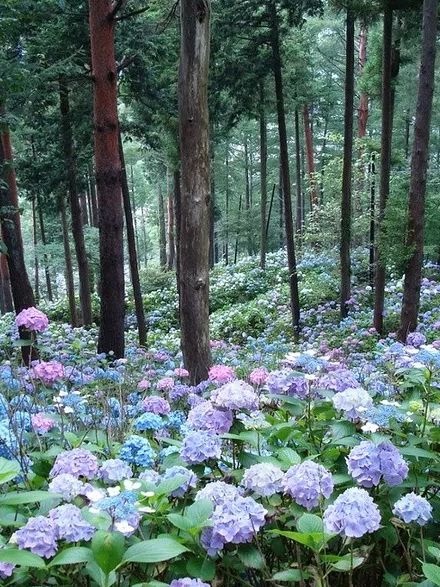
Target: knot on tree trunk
x=201, y=10
x=200, y=282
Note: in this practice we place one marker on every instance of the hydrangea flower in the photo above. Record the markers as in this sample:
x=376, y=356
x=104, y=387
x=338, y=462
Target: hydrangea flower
x=264, y=479
x=338, y=380
x=67, y=485
x=121, y=508
x=259, y=376
x=221, y=374
x=354, y=402
x=198, y=447
x=39, y=536
x=287, y=382
x=41, y=423
x=150, y=476
x=48, y=371
x=6, y=570
x=115, y=470
x=144, y=384
x=165, y=384
x=157, y=405
x=137, y=451
x=413, y=508
x=352, y=515
x=368, y=463
x=307, y=483
x=233, y=522
x=237, y=395
x=78, y=462
x=148, y=422
x=70, y=524
x=181, y=372
x=187, y=582
x=32, y=319
x=190, y=480
x=416, y=339
x=205, y=416
x=219, y=492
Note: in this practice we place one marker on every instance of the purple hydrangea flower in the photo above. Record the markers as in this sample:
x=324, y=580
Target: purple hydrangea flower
x=219, y=492
x=67, y=485
x=150, y=476
x=205, y=416
x=187, y=582
x=70, y=524
x=6, y=570
x=337, y=380
x=39, y=536
x=353, y=514
x=307, y=483
x=413, y=508
x=264, y=479
x=354, y=402
x=287, y=382
x=416, y=339
x=233, y=522
x=190, y=480
x=115, y=470
x=157, y=405
x=221, y=374
x=198, y=447
x=32, y=319
x=368, y=463
x=237, y=395
x=48, y=371
x=78, y=462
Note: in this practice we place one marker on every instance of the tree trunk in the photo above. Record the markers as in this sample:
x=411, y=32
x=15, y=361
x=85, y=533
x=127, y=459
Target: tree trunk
x=93, y=200
x=407, y=131
x=227, y=206
x=44, y=242
x=70, y=286
x=132, y=253
x=171, y=259
x=299, y=206
x=162, y=228
x=372, y=175
x=385, y=166
x=247, y=200
x=194, y=149
x=285, y=173
x=363, y=101
x=133, y=207
x=108, y=177
x=22, y=293
x=347, y=168
x=83, y=208
x=75, y=208
x=308, y=133
x=8, y=302
x=419, y=169
x=35, y=242
x=177, y=215
x=240, y=206
x=263, y=177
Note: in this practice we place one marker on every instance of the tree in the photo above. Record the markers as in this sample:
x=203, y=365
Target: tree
x=419, y=168
x=108, y=175
x=195, y=187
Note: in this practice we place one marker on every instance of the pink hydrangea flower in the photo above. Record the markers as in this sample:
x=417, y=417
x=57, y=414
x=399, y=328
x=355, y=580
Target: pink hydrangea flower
x=41, y=423
x=165, y=384
x=221, y=374
x=259, y=376
x=143, y=384
x=48, y=372
x=32, y=319
x=180, y=372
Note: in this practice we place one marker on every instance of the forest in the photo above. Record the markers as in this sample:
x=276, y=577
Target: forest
x=219, y=293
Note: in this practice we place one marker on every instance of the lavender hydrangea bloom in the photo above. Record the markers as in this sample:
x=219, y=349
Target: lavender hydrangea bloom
x=413, y=508
x=115, y=470
x=66, y=485
x=121, y=508
x=353, y=514
x=190, y=480
x=70, y=524
x=416, y=339
x=32, y=319
x=219, y=492
x=338, y=380
x=156, y=405
x=205, y=416
x=237, y=395
x=6, y=570
x=264, y=479
x=368, y=463
x=307, y=483
x=233, y=522
x=354, y=402
x=150, y=476
x=77, y=462
x=286, y=382
x=198, y=447
x=39, y=536
x=187, y=582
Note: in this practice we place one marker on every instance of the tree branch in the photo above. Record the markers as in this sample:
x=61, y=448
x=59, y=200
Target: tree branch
x=116, y=7
x=133, y=13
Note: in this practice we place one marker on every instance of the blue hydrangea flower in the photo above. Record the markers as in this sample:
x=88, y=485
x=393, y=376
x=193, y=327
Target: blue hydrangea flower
x=148, y=422
x=67, y=485
x=198, y=447
x=352, y=515
x=413, y=508
x=205, y=416
x=78, y=462
x=381, y=415
x=175, y=420
x=287, y=382
x=354, y=402
x=219, y=492
x=137, y=451
x=187, y=582
x=416, y=339
x=190, y=480
x=6, y=570
x=368, y=463
x=115, y=470
x=307, y=483
x=121, y=508
x=70, y=524
x=263, y=479
x=39, y=536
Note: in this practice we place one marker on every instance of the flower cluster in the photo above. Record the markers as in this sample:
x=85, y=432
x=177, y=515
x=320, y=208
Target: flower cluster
x=204, y=416
x=263, y=479
x=354, y=402
x=413, y=508
x=48, y=372
x=32, y=319
x=157, y=405
x=353, y=514
x=78, y=462
x=237, y=395
x=369, y=463
x=221, y=374
x=137, y=451
x=307, y=483
x=198, y=447
x=114, y=471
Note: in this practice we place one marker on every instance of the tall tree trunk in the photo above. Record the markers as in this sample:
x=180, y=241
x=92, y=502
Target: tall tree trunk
x=240, y=206
x=177, y=215
x=22, y=293
x=83, y=207
x=170, y=211
x=419, y=169
x=285, y=173
x=35, y=242
x=282, y=232
x=308, y=133
x=372, y=174
x=93, y=200
x=385, y=166
x=144, y=235
x=263, y=177
x=194, y=149
x=363, y=101
x=108, y=177
x=407, y=131
x=247, y=200
x=75, y=208
x=299, y=206
x=133, y=207
x=227, y=206
x=346, y=203
x=132, y=253
x=44, y=242
x=162, y=228
x=70, y=286
x=6, y=284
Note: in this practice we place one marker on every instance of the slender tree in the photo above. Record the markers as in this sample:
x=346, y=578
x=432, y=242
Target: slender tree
x=162, y=227
x=308, y=134
x=171, y=258
x=263, y=177
x=195, y=187
x=419, y=168
x=70, y=286
x=108, y=175
x=8, y=303
x=363, y=99
x=299, y=203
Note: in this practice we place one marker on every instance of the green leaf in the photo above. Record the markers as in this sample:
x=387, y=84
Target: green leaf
x=153, y=551
x=199, y=512
x=180, y=522
x=72, y=556
x=289, y=456
x=434, y=551
x=413, y=451
x=169, y=485
x=309, y=523
x=27, y=497
x=345, y=564
x=432, y=572
x=251, y=557
x=201, y=568
x=293, y=575
x=22, y=558
x=108, y=548
x=8, y=470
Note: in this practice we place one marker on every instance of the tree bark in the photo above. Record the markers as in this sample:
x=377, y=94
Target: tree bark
x=194, y=149
x=285, y=172
x=346, y=203
x=22, y=293
x=44, y=242
x=35, y=242
x=177, y=215
x=8, y=302
x=299, y=206
x=70, y=286
x=263, y=177
x=108, y=177
x=75, y=207
x=133, y=207
x=308, y=133
x=363, y=100
x=227, y=206
x=419, y=169
x=247, y=200
x=162, y=228
x=372, y=174
x=171, y=258
x=93, y=200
